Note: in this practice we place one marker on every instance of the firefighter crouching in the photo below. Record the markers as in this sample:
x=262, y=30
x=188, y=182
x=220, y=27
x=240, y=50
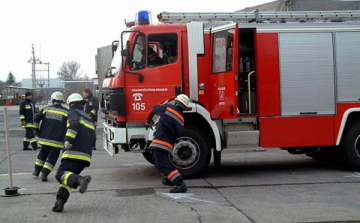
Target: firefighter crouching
x=78, y=144
x=27, y=113
x=50, y=135
x=168, y=129
x=91, y=108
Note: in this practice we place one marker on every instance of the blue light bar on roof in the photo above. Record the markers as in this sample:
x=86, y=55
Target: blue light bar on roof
x=143, y=18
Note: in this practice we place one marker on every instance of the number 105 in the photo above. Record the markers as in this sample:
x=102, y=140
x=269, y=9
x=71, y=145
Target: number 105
x=138, y=106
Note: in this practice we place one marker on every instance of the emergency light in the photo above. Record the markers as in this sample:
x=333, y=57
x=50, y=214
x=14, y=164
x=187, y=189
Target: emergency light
x=143, y=18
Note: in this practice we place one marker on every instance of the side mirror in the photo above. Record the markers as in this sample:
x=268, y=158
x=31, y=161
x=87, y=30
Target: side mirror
x=114, y=46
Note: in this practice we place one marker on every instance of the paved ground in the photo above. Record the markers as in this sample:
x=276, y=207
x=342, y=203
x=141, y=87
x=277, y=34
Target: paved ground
x=271, y=186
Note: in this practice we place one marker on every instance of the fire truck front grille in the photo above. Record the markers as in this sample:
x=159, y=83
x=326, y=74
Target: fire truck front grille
x=114, y=101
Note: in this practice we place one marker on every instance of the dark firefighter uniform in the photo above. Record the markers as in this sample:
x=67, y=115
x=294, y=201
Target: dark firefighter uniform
x=27, y=112
x=91, y=108
x=168, y=129
x=51, y=136
x=80, y=133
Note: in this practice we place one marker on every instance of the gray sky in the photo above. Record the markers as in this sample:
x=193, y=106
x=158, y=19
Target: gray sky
x=72, y=30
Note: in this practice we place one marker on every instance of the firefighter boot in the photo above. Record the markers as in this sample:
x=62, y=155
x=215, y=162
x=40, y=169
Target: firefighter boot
x=83, y=183
x=59, y=205
x=180, y=188
x=36, y=173
x=44, y=177
x=167, y=182
x=26, y=148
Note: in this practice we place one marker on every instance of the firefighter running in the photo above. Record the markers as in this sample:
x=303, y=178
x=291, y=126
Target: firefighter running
x=50, y=135
x=78, y=144
x=91, y=108
x=27, y=113
x=168, y=129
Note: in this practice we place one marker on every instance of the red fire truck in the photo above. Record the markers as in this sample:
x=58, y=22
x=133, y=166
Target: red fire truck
x=271, y=79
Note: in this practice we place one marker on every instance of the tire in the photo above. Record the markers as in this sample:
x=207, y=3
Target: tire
x=191, y=153
x=351, y=147
x=148, y=157
x=331, y=154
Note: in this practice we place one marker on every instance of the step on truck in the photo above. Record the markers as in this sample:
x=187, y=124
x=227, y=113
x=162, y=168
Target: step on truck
x=288, y=80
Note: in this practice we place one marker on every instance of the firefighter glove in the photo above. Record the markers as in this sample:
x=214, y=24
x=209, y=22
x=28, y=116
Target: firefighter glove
x=67, y=145
x=149, y=124
x=89, y=115
x=23, y=123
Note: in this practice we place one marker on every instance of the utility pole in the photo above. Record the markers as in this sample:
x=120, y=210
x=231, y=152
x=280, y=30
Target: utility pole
x=34, y=61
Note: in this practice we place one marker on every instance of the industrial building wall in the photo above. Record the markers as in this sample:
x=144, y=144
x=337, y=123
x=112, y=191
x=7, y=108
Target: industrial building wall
x=306, y=5
x=103, y=62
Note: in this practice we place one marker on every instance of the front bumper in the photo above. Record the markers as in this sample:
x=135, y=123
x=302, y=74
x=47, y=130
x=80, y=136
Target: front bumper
x=115, y=136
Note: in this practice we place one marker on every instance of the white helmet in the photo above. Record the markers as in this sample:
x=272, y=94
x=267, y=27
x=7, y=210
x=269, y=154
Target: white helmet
x=182, y=100
x=57, y=96
x=75, y=97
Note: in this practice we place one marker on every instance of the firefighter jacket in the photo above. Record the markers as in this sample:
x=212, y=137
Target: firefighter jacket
x=27, y=112
x=53, y=125
x=92, y=107
x=81, y=134
x=169, y=127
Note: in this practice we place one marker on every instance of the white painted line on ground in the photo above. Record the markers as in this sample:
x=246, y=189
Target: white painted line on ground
x=184, y=196
x=135, y=164
x=355, y=174
x=14, y=174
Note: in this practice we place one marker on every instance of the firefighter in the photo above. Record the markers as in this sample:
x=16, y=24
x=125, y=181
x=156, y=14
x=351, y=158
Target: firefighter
x=27, y=113
x=168, y=129
x=91, y=108
x=77, y=152
x=50, y=135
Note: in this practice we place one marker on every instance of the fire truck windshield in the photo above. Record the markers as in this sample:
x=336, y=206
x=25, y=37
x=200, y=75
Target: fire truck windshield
x=117, y=59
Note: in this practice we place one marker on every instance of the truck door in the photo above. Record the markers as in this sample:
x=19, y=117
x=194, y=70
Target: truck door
x=224, y=70
x=156, y=57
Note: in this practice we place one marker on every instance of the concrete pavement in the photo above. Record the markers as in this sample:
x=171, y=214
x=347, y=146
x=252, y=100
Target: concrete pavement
x=271, y=186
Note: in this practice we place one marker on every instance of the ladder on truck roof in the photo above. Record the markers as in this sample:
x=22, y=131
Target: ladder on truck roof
x=257, y=16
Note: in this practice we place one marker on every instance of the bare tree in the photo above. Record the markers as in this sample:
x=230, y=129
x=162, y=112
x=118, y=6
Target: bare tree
x=69, y=71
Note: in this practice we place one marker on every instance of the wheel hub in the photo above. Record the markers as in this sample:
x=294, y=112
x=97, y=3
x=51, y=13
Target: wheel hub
x=185, y=153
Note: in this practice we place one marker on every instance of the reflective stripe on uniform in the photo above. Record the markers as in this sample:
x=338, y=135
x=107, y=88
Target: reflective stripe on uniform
x=27, y=107
x=175, y=115
x=173, y=175
x=64, y=174
x=163, y=143
x=39, y=162
x=26, y=140
x=67, y=124
x=71, y=133
x=48, y=166
x=93, y=111
x=66, y=177
x=87, y=124
x=30, y=125
x=22, y=117
x=32, y=140
x=66, y=187
x=48, y=142
x=76, y=155
x=56, y=111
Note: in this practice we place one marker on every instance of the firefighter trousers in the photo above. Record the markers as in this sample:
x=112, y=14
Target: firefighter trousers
x=30, y=138
x=47, y=159
x=166, y=168
x=68, y=177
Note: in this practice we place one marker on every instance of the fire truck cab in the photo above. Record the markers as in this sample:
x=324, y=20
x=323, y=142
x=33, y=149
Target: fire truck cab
x=278, y=79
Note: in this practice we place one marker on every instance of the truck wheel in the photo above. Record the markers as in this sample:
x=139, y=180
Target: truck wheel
x=191, y=153
x=351, y=147
x=148, y=157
